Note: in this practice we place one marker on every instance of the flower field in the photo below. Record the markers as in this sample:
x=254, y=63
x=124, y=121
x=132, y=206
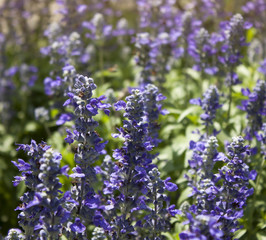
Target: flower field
x=132, y=119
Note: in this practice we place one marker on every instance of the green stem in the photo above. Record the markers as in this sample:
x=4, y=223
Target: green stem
x=47, y=130
x=155, y=221
x=255, y=197
x=101, y=62
x=186, y=77
x=124, y=209
x=230, y=102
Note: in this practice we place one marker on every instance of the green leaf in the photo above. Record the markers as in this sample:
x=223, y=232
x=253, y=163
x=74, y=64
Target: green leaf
x=184, y=195
x=63, y=238
x=169, y=236
x=54, y=113
x=251, y=34
x=261, y=236
x=240, y=233
x=188, y=111
x=31, y=127
x=180, y=144
x=193, y=73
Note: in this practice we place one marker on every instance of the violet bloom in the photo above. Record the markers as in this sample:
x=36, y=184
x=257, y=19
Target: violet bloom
x=153, y=56
x=153, y=108
x=62, y=49
x=143, y=43
x=135, y=181
x=27, y=75
x=233, y=34
x=255, y=107
x=42, y=213
x=262, y=67
x=261, y=136
x=210, y=104
x=7, y=90
x=97, y=28
x=157, y=218
x=255, y=13
x=156, y=14
x=202, y=50
x=15, y=234
x=200, y=175
x=221, y=196
x=188, y=26
x=234, y=190
x=90, y=147
x=202, y=227
x=205, y=9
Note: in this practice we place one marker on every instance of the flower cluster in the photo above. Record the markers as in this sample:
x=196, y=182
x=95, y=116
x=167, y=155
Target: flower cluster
x=116, y=190
x=233, y=41
x=41, y=213
x=153, y=56
x=235, y=176
x=202, y=49
x=135, y=186
x=220, y=197
x=254, y=11
x=210, y=104
x=255, y=106
x=202, y=227
x=157, y=15
x=90, y=147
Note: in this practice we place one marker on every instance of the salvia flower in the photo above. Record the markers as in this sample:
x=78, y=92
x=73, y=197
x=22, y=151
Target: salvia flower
x=219, y=196
x=154, y=57
x=262, y=67
x=188, y=26
x=234, y=190
x=153, y=109
x=204, y=156
x=15, y=234
x=158, y=15
x=202, y=50
x=233, y=34
x=135, y=184
x=209, y=104
x=157, y=219
x=89, y=148
x=202, y=227
x=63, y=49
x=255, y=107
x=97, y=28
x=254, y=11
x=42, y=214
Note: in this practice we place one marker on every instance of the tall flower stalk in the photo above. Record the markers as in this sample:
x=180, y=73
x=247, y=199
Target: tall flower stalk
x=233, y=38
x=210, y=104
x=89, y=149
x=42, y=213
x=220, y=197
x=135, y=190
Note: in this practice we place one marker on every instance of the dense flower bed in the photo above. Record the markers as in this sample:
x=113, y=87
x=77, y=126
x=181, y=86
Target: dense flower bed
x=140, y=119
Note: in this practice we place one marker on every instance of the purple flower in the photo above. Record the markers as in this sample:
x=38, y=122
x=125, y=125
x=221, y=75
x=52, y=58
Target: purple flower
x=120, y=105
x=90, y=147
x=77, y=226
x=41, y=205
x=170, y=186
x=210, y=104
x=255, y=107
x=65, y=117
x=135, y=181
